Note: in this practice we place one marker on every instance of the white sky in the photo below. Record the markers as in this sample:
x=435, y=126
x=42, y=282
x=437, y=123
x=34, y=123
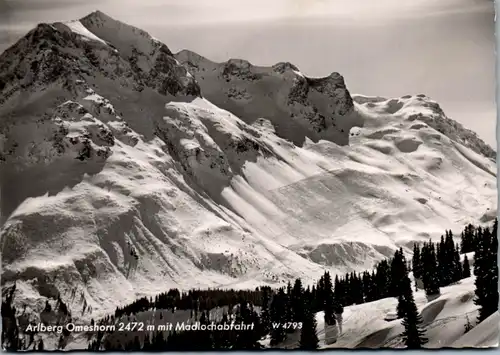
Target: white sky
x=443, y=48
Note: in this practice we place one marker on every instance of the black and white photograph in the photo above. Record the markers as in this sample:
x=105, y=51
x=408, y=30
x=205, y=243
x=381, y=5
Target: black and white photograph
x=208, y=175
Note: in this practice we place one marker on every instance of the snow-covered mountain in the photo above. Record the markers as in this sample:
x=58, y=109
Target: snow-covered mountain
x=216, y=174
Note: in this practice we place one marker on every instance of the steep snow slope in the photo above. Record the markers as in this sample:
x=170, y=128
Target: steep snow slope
x=109, y=144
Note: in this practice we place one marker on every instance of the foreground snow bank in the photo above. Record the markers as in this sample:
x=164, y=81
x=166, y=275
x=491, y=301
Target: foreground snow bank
x=484, y=334
x=445, y=318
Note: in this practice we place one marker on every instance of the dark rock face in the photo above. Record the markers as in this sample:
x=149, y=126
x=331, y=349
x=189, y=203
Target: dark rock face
x=239, y=68
x=51, y=53
x=36, y=60
x=334, y=87
x=168, y=77
x=282, y=67
x=299, y=91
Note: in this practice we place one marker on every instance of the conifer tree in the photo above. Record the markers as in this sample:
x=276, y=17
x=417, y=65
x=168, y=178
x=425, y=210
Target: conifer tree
x=383, y=279
x=480, y=268
x=297, y=300
x=486, y=271
x=442, y=263
x=466, y=268
x=398, y=272
x=457, y=266
x=339, y=290
x=314, y=297
x=147, y=343
x=359, y=296
x=320, y=291
x=468, y=239
x=247, y=339
x=160, y=344
x=278, y=309
x=400, y=308
x=136, y=345
x=430, y=274
x=40, y=345
x=308, y=334
x=413, y=334
x=416, y=262
x=10, y=328
x=347, y=289
x=288, y=304
x=368, y=287
x=204, y=339
x=404, y=294
x=308, y=295
x=329, y=302
x=265, y=315
x=374, y=288
x=450, y=253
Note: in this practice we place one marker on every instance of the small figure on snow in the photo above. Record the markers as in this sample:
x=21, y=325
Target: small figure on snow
x=338, y=316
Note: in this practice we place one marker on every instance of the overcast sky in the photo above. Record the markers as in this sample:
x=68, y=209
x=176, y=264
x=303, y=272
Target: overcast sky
x=442, y=48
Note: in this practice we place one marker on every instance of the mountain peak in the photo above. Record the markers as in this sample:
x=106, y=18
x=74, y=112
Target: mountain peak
x=281, y=67
x=97, y=14
x=100, y=18
x=96, y=45
x=125, y=38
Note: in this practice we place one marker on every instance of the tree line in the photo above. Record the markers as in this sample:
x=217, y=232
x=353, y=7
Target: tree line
x=197, y=299
x=290, y=309
x=435, y=264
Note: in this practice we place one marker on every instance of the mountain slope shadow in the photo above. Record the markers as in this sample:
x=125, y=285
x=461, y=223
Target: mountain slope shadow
x=17, y=187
